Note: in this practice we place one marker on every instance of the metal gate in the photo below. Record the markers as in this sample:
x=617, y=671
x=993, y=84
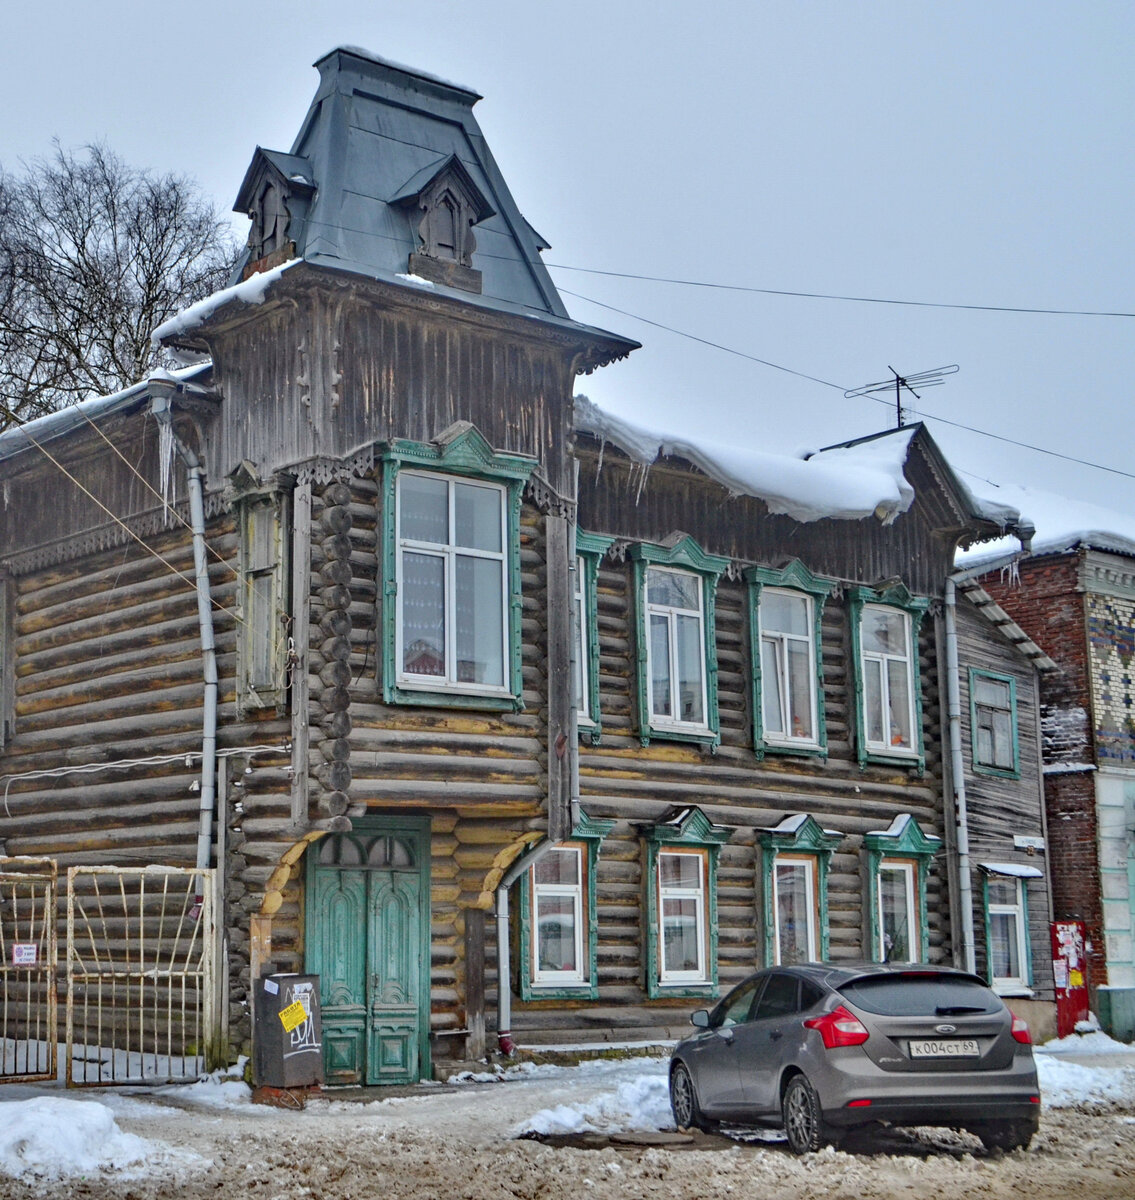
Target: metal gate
x=28, y=954
x=141, y=968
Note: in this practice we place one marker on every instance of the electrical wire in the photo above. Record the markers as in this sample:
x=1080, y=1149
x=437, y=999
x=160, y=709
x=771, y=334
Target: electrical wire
x=736, y=287
x=1083, y=462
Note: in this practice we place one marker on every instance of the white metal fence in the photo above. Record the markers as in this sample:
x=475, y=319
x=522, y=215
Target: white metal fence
x=141, y=973
x=28, y=954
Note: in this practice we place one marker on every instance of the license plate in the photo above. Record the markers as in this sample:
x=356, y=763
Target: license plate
x=945, y=1048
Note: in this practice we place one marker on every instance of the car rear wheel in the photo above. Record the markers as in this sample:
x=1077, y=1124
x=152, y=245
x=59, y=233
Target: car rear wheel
x=1006, y=1135
x=803, y=1120
x=684, y=1102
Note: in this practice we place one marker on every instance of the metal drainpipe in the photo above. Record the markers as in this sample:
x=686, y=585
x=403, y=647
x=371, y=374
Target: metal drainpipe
x=957, y=775
x=504, y=967
x=957, y=757
x=160, y=406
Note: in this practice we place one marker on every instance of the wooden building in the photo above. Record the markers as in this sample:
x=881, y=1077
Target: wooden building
x=497, y=695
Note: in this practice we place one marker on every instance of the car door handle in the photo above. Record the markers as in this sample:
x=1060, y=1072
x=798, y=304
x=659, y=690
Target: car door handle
x=775, y=1036
x=726, y=1035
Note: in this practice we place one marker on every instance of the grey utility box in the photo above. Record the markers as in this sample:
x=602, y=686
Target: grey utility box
x=288, y=1036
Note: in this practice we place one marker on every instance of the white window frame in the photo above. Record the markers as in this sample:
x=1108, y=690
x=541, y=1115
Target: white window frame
x=449, y=553
x=909, y=872
x=582, y=698
x=780, y=642
x=545, y=977
x=1003, y=983
x=883, y=659
x=698, y=895
x=671, y=613
x=809, y=865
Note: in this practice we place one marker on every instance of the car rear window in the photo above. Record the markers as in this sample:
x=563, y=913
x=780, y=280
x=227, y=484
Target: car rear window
x=921, y=996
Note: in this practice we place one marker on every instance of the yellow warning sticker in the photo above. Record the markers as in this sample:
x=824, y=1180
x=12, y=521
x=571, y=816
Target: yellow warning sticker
x=295, y=1014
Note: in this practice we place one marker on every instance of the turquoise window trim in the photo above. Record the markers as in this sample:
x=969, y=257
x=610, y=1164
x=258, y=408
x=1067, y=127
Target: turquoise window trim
x=590, y=548
x=691, y=829
x=588, y=832
x=915, y=607
x=684, y=555
x=982, y=768
x=803, y=838
x=904, y=840
x=464, y=455
x=1026, y=949
x=797, y=578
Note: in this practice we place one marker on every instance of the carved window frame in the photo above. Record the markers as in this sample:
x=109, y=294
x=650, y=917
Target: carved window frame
x=264, y=593
x=913, y=609
x=465, y=457
x=691, y=832
x=589, y=551
x=794, y=578
x=685, y=557
x=903, y=846
x=795, y=839
x=586, y=837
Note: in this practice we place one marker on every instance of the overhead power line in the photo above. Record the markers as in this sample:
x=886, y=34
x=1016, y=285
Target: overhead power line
x=736, y=287
x=1083, y=462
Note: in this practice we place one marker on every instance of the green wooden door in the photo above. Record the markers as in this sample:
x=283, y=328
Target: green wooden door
x=368, y=940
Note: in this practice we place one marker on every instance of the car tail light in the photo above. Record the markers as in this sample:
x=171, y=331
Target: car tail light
x=859, y=1104
x=1020, y=1030
x=839, y=1028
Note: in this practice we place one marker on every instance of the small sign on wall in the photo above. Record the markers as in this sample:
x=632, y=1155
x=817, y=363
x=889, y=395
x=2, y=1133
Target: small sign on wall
x=25, y=954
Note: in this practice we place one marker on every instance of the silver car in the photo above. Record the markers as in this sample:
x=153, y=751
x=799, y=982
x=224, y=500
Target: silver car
x=824, y=1048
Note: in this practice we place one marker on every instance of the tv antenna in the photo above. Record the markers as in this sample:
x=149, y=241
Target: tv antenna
x=922, y=379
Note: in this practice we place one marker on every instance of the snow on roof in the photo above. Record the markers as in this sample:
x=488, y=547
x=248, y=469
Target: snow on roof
x=52, y=425
x=845, y=482
x=383, y=61
x=1061, y=524
x=250, y=291
x=1017, y=870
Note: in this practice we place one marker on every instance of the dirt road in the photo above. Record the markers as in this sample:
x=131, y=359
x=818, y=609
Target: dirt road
x=458, y=1144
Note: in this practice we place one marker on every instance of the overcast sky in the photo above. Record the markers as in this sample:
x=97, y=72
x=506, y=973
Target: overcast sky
x=970, y=152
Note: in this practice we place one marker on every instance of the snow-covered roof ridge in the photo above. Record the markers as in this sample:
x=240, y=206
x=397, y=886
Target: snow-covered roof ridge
x=1062, y=524
x=844, y=482
x=251, y=291
x=382, y=61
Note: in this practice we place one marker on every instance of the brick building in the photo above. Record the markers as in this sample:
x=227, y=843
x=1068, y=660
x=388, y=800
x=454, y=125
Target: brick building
x=1075, y=597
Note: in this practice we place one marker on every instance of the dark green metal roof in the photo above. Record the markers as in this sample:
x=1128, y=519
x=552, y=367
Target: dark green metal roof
x=374, y=132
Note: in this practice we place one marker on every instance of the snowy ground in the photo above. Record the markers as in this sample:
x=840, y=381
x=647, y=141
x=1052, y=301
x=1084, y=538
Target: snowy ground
x=461, y=1140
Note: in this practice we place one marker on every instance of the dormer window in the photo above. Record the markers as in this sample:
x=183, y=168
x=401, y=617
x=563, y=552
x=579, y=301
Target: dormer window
x=276, y=193
x=270, y=219
x=447, y=204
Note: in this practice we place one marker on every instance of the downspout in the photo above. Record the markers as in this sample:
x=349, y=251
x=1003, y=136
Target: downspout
x=957, y=776
x=957, y=756
x=504, y=965
x=161, y=406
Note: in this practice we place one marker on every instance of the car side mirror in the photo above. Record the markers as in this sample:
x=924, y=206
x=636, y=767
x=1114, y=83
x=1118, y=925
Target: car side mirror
x=700, y=1018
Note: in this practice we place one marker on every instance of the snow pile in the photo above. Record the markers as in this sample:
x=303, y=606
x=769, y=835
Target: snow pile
x=638, y=1104
x=250, y=291
x=1061, y=524
x=55, y=1137
x=1092, y=1041
x=1073, y=1085
x=222, y=1089
x=845, y=483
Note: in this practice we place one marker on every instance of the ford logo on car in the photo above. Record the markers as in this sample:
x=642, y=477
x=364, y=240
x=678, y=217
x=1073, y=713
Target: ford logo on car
x=945, y=1029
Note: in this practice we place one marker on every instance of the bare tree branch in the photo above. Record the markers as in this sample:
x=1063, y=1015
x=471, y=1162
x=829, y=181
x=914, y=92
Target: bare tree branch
x=94, y=254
